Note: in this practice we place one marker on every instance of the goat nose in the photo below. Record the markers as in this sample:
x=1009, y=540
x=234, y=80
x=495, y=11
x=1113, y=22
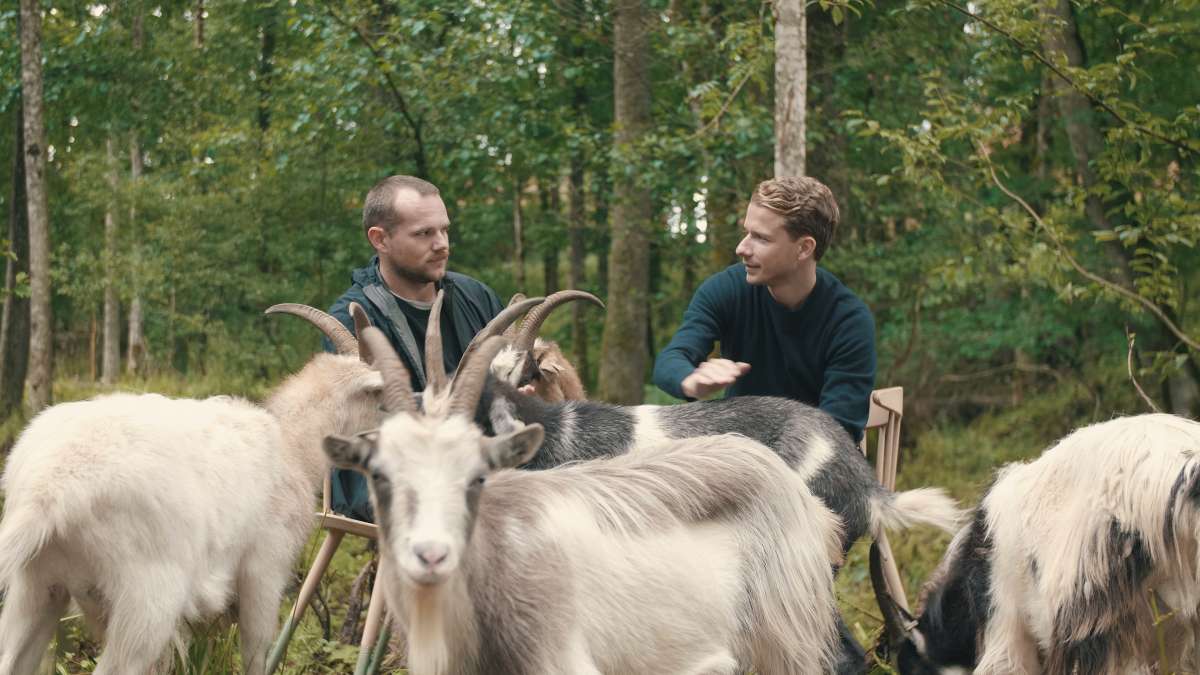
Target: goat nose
x=431, y=553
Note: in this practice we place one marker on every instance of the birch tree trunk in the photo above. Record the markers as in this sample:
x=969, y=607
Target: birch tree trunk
x=110, y=359
x=41, y=339
x=624, y=356
x=14, y=323
x=791, y=86
x=138, y=352
x=518, y=238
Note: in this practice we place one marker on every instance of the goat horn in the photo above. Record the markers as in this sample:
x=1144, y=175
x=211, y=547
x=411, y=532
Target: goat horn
x=397, y=384
x=468, y=382
x=333, y=329
x=511, y=331
x=537, y=316
x=496, y=327
x=361, y=321
x=897, y=623
x=435, y=367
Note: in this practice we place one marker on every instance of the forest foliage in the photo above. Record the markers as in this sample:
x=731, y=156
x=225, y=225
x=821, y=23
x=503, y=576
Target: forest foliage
x=1017, y=177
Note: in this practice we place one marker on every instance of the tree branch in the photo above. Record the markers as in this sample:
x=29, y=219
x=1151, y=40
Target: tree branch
x=736, y=90
x=419, y=154
x=1133, y=378
x=1181, y=144
x=1090, y=276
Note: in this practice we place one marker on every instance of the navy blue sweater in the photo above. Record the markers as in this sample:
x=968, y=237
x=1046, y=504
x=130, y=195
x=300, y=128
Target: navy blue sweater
x=822, y=353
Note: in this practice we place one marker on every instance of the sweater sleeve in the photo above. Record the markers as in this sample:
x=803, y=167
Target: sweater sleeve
x=850, y=373
x=694, y=340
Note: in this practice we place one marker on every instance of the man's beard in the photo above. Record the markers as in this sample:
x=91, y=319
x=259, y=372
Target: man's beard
x=415, y=274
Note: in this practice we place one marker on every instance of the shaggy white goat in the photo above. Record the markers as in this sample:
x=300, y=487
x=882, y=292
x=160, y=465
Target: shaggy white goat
x=707, y=557
x=154, y=512
x=1067, y=555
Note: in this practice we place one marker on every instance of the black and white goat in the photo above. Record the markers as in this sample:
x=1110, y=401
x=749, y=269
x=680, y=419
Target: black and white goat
x=153, y=512
x=1082, y=561
x=707, y=556
x=808, y=439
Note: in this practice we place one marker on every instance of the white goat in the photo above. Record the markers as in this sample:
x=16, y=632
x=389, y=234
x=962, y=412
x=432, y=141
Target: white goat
x=709, y=556
x=153, y=512
x=1065, y=560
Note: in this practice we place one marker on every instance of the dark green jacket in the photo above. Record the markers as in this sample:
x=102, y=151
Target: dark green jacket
x=822, y=353
x=468, y=306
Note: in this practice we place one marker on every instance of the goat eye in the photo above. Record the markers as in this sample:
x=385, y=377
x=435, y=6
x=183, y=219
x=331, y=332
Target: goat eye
x=479, y=481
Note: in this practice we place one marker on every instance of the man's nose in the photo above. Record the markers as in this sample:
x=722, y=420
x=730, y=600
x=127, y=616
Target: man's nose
x=741, y=249
x=441, y=242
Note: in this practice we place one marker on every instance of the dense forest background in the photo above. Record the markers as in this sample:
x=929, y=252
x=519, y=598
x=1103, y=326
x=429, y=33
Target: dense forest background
x=1017, y=179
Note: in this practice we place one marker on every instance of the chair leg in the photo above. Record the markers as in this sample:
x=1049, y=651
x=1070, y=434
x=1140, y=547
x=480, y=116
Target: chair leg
x=380, y=649
x=891, y=574
x=371, y=630
x=311, y=581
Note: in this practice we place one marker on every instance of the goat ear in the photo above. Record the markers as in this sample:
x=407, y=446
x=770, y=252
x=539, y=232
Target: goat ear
x=371, y=383
x=350, y=453
x=515, y=448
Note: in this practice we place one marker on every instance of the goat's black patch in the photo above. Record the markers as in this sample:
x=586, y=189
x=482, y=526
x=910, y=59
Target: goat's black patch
x=956, y=611
x=1091, y=630
x=1186, y=478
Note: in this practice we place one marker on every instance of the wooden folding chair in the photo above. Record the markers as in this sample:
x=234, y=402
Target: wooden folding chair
x=887, y=410
x=375, y=635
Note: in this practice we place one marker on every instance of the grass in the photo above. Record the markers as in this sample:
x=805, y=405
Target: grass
x=960, y=458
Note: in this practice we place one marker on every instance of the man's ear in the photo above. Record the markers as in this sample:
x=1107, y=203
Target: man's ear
x=806, y=247
x=378, y=237
x=513, y=449
x=350, y=453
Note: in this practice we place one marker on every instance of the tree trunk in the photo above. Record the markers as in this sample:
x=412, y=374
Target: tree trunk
x=41, y=339
x=199, y=35
x=791, y=84
x=1060, y=40
x=576, y=273
x=110, y=361
x=14, y=325
x=137, y=352
x=266, y=66
x=624, y=355
x=723, y=216
x=518, y=238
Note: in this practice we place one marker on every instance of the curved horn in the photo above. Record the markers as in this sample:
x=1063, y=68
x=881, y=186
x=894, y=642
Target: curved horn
x=361, y=321
x=397, y=384
x=333, y=329
x=511, y=331
x=472, y=373
x=896, y=622
x=496, y=326
x=435, y=367
x=537, y=316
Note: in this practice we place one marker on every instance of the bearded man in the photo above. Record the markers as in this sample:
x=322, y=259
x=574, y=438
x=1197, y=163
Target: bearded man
x=407, y=224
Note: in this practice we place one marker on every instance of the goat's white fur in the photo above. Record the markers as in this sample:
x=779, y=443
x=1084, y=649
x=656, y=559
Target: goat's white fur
x=1059, y=510
x=152, y=512
x=655, y=579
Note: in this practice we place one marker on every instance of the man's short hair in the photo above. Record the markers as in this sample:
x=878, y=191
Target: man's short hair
x=807, y=207
x=379, y=207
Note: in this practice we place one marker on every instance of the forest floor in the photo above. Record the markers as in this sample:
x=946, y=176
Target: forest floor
x=958, y=457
